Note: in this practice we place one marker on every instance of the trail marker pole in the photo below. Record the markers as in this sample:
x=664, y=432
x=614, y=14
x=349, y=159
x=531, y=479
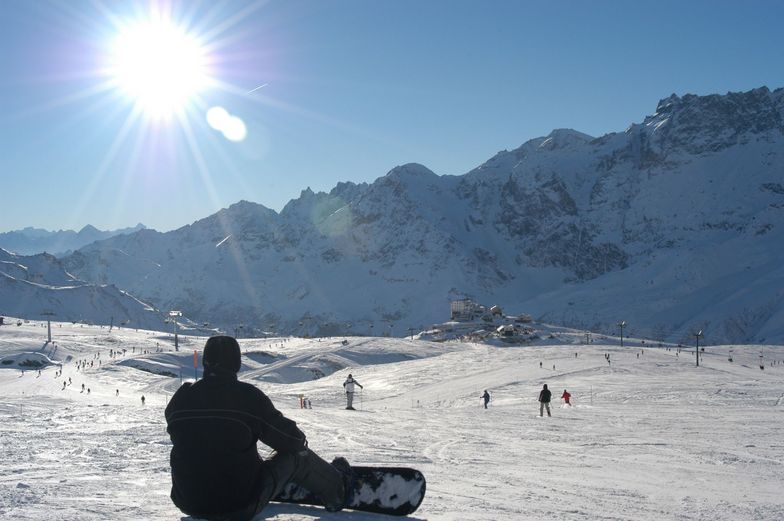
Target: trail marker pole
x=48, y=315
x=697, y=335
x=173, y=316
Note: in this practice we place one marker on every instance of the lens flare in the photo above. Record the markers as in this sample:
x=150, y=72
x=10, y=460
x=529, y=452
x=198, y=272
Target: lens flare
x=232, y=127
x=217, y=117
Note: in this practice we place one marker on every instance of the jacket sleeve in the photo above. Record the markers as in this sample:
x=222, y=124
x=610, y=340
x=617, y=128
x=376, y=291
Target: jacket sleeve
x=174, y=403
x=277, y=431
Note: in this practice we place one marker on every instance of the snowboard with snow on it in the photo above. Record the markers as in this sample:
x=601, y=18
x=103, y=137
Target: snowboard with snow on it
x=395, y=491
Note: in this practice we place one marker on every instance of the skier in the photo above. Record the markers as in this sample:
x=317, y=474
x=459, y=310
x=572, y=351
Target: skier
x=142, y=399
x=566, y=397
x=349, y=386
x=544, y=400
x=486, y=398
x=226, y=479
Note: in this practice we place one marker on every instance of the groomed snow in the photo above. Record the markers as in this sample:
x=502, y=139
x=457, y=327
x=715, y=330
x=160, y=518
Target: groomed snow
x=650, y=437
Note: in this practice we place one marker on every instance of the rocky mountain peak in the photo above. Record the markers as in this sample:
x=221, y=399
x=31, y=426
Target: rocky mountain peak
x=89, y=229
x=412, y=170
x=242, y=215
x=714, y=122
x=562, y=138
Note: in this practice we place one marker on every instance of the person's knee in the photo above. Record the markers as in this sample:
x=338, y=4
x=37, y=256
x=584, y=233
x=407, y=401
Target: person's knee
x=282, y=467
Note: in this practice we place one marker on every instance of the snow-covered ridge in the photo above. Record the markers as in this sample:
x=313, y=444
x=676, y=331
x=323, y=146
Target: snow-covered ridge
x=700, y=124
x=674, y=225
x=38, y=286
x=30, y=240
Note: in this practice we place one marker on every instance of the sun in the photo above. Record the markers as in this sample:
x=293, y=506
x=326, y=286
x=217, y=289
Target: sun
x=159, y=66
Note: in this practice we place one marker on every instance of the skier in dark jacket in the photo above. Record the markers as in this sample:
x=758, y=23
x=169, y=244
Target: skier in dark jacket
x=544, y=400
x=486, y=398
x=214, y=425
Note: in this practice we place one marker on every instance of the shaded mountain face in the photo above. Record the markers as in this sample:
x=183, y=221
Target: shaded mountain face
x=38, y=286
x=30, y=241
x=673, y=225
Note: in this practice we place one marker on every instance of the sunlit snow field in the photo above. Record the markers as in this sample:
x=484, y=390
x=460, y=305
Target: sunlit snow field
x=650, y=436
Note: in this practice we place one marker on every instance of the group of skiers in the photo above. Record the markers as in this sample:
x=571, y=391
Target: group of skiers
x=545, y=395
x=544, y=400
x=226, y=479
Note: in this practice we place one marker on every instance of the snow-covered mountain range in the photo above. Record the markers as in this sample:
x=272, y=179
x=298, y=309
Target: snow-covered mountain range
x=37, y=286
x=674, y=225
x=30, y=241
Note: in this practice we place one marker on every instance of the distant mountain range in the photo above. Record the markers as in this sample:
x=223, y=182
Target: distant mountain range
x=674, y=225
x=30, y=241
x=37, y=286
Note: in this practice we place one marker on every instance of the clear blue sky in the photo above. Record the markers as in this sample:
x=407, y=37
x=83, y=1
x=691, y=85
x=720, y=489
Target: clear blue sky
x=354, y=88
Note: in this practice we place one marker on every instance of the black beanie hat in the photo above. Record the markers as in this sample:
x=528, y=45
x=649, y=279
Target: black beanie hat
x=221, y=355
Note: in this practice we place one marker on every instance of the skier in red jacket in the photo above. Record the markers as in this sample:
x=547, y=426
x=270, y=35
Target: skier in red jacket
x=565, y=397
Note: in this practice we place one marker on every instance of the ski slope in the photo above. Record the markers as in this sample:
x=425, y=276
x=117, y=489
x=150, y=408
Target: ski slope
x=650, y=436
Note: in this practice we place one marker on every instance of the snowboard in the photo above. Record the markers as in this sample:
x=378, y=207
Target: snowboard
x=395, y=491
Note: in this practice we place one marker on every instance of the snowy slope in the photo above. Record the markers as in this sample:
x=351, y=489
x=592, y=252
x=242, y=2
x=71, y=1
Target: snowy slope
x=650, y=436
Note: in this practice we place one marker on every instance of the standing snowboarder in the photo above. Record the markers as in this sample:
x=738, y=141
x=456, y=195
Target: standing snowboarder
x=544, y=400
x=566, y=397
x=486, y=398
x=214, y=425
x=349, y=386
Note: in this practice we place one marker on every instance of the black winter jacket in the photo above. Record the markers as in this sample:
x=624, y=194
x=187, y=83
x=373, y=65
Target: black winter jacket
x=214, y=425
x=545, y=396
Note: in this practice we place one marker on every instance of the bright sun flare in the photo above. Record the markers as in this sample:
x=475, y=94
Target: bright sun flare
x=159, y=66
